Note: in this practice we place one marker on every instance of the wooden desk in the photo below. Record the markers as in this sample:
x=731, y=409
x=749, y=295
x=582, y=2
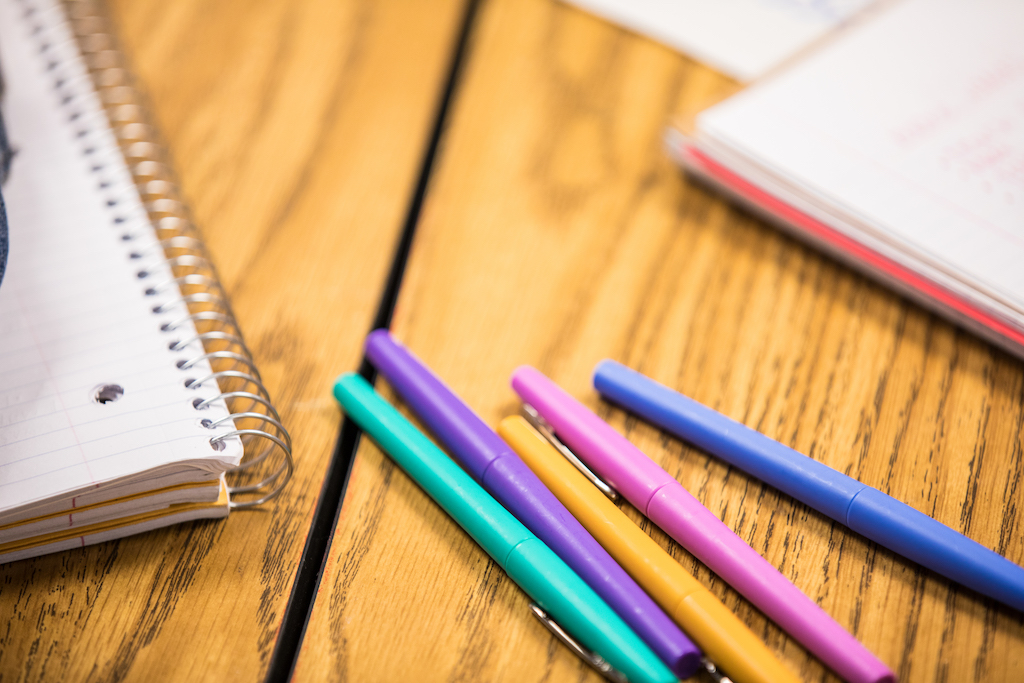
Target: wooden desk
x=297, y=130
x=555, y=233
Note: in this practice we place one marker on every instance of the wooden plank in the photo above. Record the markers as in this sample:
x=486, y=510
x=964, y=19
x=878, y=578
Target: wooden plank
x=557, y=233
x=297, y=131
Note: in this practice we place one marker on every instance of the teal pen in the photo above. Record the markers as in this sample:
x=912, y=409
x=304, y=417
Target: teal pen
x=527, y=561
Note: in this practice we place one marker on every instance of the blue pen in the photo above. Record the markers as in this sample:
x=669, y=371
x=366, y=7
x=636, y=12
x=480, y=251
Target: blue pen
x=866, y=510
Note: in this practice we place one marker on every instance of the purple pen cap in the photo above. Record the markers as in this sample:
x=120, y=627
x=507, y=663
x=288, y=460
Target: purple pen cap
x=451, y=420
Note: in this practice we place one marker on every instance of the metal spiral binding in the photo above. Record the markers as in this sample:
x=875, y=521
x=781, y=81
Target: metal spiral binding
x=267, y=464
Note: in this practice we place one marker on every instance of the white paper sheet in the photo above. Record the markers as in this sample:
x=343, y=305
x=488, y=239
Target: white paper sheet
x=742, y=38
x=913, y=127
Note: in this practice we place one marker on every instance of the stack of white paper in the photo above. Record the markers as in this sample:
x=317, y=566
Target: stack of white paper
x=905, y=136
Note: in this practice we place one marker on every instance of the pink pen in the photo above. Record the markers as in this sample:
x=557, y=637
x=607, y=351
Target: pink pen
x=666, y=503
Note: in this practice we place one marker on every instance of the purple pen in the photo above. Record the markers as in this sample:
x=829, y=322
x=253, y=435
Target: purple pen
x=499, y=470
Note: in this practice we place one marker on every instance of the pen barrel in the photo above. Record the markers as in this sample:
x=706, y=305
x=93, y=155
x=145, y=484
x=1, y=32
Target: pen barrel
x=932, y=544
x=546, y=579
x=683, y=518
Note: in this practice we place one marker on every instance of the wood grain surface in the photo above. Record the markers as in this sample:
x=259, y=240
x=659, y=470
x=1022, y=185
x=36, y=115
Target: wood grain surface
x=557, y=233
x=297, y=131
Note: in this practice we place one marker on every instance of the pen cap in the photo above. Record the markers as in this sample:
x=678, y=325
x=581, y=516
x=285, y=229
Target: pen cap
x=814, y=483
x=451, y=420
x=593, y=440
x=483, y=518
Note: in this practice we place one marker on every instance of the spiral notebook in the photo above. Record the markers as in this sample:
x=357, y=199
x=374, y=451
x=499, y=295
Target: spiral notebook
x=898, y=148
x=128, y=399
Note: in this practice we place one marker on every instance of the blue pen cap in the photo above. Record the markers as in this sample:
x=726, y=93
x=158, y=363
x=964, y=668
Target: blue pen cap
x=817, y=485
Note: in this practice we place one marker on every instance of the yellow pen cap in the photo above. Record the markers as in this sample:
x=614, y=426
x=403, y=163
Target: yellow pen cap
x=724, y=638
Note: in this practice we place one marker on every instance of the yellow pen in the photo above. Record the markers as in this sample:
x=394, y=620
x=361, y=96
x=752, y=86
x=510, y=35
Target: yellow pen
x=724, y=638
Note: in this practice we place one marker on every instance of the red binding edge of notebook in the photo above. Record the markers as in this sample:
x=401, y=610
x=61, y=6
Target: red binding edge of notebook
x=787, y=213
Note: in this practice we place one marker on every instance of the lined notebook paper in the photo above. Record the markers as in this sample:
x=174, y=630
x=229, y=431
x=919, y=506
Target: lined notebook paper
x=92, y=401
x=907, y=136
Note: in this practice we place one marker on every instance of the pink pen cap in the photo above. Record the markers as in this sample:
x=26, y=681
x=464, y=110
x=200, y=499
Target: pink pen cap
x=666, y=503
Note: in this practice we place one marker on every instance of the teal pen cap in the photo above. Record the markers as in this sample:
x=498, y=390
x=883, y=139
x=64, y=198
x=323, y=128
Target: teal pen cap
x=527, y=561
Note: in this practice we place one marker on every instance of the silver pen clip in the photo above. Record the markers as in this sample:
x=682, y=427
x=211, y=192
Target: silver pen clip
x=545, y=430
x=600, y=665
x=594, y=660
x=713, y=671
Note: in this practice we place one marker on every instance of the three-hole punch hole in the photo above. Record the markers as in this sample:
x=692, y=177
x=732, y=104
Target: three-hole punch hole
x=107, y=393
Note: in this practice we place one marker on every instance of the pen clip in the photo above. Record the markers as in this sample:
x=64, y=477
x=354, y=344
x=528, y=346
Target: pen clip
x=713, y=671
x=545, y=430
x=594, y=660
